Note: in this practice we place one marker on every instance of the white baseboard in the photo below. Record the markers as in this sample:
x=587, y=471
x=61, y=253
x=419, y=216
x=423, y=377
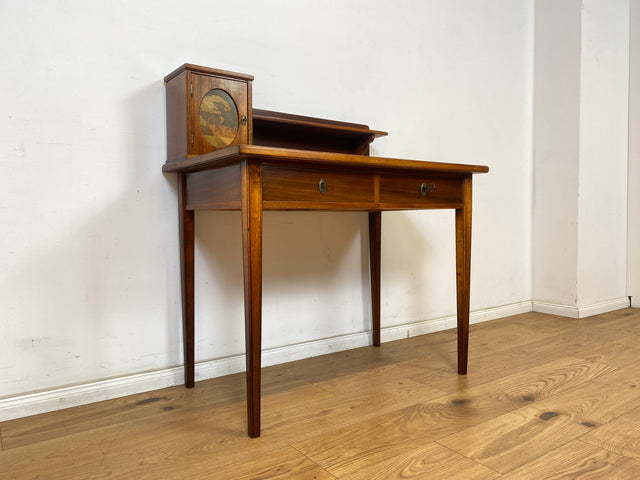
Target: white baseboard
x=556, y=309
x=429, y=326
x=74, y=395
x=573, y=311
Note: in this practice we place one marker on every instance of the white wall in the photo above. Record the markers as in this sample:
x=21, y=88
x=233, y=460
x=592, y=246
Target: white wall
x=604, y=107
x=556, y=151
x=580, y=160
x=89, y=284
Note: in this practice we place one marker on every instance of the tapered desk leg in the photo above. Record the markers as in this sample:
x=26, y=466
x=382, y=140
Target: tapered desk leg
x=375, y=229
x=186, y=219
x=463, y=273
x=252, y=262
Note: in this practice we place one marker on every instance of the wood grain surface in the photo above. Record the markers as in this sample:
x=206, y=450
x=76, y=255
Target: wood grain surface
x=544, y=397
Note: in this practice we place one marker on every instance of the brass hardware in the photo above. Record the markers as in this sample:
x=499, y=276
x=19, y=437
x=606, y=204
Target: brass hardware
x=192, y=139
x=427, y=188
x=322, y=186
x=243, y=119
x=191, y=89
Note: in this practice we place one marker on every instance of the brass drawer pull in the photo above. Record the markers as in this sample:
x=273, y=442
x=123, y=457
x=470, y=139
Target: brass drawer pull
x=427, y=188
x=322, y=185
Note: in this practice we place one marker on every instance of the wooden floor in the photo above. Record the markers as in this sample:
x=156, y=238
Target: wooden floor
x=545, y=397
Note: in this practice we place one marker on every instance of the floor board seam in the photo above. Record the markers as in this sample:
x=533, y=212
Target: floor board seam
x=312, y=461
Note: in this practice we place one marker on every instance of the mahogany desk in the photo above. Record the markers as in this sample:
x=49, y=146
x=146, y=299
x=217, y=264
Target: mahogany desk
x=253, y=178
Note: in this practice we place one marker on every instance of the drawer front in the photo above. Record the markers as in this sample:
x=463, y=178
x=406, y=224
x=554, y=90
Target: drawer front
x=315, y=185
x=420, y=189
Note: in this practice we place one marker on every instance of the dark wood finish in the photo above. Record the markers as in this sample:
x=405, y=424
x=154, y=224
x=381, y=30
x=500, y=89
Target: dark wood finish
x=202, y=84
x=187, y=268
x=290, y=122
x=283, y=179
x=177, y=98
x=216, y=189
x=185, y=89
x=216, y=72
x=282, y=184
x=375, y=251
x=408, y=189
x=282, y=161
x=301, y=158
x=463, y=273
x=275, y=129
x=252, y=261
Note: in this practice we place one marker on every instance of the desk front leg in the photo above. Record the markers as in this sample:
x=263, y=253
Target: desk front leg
x=375, y=231
x=187, y=226
x=252, y=264
x=463, y=273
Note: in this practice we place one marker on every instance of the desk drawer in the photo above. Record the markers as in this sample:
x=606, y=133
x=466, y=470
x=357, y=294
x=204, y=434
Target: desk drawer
x=315, y=185
x=420, y=189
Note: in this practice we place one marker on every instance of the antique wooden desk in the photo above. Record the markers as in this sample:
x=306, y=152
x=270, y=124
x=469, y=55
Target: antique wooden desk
x=300, y=163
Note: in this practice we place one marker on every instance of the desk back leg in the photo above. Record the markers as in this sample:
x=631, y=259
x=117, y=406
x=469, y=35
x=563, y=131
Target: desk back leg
x=252, y=265
x=186, y=219
x=375, y=230
x=463, y=273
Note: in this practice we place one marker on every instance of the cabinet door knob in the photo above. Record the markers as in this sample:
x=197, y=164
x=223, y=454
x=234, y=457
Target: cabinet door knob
x=427, y=188
x=322, y=186
x=243, y=119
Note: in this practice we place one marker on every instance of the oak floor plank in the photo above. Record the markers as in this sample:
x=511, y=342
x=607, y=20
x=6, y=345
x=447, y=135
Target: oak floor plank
x=307, y=419
x=209, y=394
x=486, y=368
x=552, y=324
x=430, y=461
x=411, y=427
x=577, y=460
x=165, y=442
x=181, y=458
x=516, y=438
x=626, y=319
x=440, y=347
x=373, y=378
x=224, y=440
x=545, y=396
x=493, y=354
x=281, y=464
x=621, y=435
x=493, y=338
x=616, y=353
x=191, y=450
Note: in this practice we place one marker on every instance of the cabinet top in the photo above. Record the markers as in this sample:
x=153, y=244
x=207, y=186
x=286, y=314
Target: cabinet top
x=208, y=71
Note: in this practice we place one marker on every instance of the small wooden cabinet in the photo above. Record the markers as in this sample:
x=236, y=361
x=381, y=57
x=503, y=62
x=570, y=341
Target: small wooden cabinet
x=207, y=109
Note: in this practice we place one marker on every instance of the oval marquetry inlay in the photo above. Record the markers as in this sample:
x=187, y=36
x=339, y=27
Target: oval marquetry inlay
x=218, y=118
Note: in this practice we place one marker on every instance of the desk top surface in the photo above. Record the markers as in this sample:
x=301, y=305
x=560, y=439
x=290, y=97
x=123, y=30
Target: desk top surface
x=300, y=158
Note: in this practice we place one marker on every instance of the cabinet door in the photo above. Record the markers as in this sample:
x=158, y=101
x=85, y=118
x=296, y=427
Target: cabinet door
x=218, y=113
